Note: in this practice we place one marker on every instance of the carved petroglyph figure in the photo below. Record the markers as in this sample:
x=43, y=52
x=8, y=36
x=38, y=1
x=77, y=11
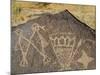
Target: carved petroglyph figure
x=85, y=59
x=65, y=49
x=43, y=42
x=63, y=45
x=35, y=29
x=24, y=61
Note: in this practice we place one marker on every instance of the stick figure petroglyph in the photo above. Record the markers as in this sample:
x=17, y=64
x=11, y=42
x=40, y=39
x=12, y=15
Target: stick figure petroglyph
x=35, y=29
x=24, y=61
x=43, y=42
x=64, y=46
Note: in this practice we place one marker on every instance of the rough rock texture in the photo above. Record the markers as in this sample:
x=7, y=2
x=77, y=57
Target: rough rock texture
x=52, y=42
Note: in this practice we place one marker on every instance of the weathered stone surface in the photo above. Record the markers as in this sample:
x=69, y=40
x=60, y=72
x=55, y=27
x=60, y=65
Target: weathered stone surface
x=52, y=42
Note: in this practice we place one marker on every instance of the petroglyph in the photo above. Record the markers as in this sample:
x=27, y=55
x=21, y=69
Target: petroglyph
x=85, y=59
x=24, y=61
x=63, y=46
x=55, y=42
x=44, y=43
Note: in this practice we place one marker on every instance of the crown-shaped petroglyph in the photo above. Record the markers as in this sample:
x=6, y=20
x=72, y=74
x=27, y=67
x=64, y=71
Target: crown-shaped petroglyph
x=63, y=40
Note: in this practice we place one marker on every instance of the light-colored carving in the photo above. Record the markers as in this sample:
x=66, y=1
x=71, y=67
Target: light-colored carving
x=64, y=49
x=44, y=43
x=35, y=29
x=85, y=59
x=64, y=46
x=24, y=61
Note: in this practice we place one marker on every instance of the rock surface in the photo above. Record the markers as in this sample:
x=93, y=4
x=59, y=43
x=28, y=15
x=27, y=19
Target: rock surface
x=52, y=42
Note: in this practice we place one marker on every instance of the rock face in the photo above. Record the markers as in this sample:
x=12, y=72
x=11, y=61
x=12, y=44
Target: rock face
x=58, y=42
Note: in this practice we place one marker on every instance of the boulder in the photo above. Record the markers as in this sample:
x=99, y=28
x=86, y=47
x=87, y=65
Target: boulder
x=52, y=42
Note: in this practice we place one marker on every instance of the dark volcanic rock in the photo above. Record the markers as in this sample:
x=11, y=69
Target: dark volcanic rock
x=49, y=43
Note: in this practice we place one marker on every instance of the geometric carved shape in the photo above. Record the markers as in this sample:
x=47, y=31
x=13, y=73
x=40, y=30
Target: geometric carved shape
x=85, y=59
x=63, y=49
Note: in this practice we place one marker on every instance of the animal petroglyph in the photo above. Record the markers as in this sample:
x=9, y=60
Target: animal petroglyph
x=44, y=43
